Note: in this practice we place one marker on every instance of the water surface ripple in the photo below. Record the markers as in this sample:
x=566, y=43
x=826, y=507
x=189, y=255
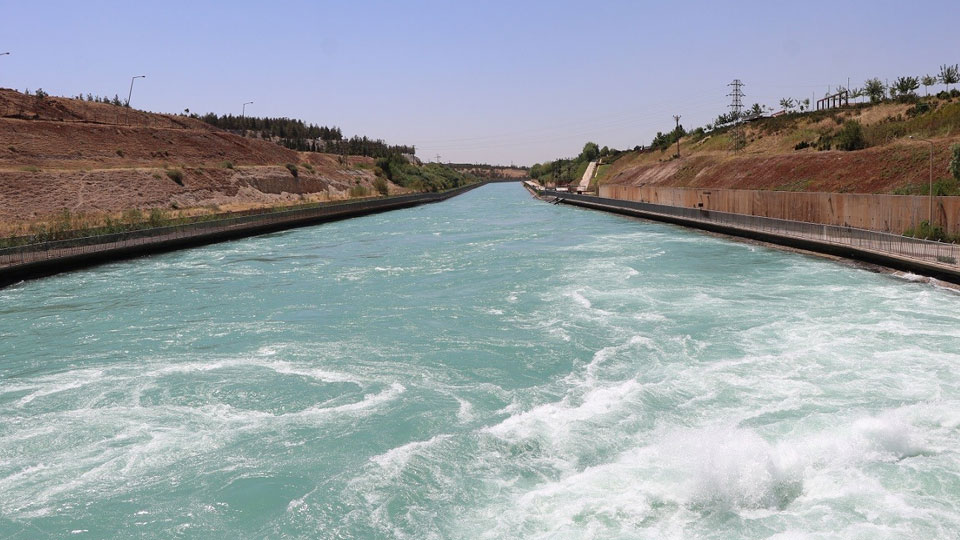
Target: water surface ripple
x=487, y=367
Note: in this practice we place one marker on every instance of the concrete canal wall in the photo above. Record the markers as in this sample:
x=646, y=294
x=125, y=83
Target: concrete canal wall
x=885, y=213
x=38, y=260
x=935, y=259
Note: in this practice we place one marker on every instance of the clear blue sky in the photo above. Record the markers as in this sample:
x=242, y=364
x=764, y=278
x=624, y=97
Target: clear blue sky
x=483, y=81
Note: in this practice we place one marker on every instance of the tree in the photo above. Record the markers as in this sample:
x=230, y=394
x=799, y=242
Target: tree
x=804, y=105
x=590, y=152
x=905, y=86
x=927, y=81
x=875, y=89
x=949, y=75
x=755, y=110
x=787, y=103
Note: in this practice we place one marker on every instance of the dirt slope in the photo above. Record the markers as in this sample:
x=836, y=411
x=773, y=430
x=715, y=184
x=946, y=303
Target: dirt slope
x=97, y=159
x=770, y=161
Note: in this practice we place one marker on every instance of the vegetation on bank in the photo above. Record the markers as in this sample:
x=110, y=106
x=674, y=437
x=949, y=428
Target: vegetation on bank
x=567, y=170
x=427, y=177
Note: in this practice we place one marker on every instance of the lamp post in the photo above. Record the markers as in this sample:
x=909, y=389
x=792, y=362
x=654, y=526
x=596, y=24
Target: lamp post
x=130, y=93
x=930, y=211
x=243, y=111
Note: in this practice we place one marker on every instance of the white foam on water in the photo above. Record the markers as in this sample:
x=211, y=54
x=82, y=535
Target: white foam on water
x=465, y=412
x=394, y=460
x=672, y=478
x=553, y=421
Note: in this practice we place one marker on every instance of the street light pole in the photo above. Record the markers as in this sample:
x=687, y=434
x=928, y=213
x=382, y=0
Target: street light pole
x=243, y=111
x=930, y=210
x=677, y=132
x=130, y=93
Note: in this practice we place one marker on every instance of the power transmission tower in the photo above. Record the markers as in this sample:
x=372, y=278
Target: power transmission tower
x=736, y=110
x=677, y=118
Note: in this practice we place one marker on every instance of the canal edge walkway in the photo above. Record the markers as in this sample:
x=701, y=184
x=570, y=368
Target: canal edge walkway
x=933, y=259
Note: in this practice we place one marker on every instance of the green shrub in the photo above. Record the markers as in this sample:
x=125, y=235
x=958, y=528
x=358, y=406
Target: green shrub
x=293, y=170
x=119, y=152
x=132, y=216
x=157, y=217
x=176, y=175
x=955, y=161
x=801, y=145
x=381, y=186
x=851, y=137
x=824, y=142
x=918, y=109
x=358, y=191
x=925, y=231
x=227, y=164
x=308, y=167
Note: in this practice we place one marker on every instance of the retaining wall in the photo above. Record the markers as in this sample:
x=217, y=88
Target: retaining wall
x=935, y=259
x=886, y=213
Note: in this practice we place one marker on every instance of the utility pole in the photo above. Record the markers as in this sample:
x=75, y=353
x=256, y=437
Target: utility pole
x=130, y=93
x=736, y=109
x=677, y=118
x=5, y=54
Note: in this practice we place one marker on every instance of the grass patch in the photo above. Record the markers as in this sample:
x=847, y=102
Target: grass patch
x=381, y=186
x=30, y=168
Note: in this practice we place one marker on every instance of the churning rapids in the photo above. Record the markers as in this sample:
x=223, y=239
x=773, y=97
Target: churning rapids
x=487, y=367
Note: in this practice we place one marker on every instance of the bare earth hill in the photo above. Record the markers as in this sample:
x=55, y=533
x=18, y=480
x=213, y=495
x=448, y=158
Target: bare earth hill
x=97, y=160
x=775, y=156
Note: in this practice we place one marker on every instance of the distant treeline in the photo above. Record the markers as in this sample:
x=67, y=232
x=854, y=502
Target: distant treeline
x=298, y=135
x=564, y=170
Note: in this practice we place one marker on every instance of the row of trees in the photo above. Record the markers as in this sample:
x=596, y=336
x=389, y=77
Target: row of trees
x=286, y=128
x=903, y=88
x=298, y=135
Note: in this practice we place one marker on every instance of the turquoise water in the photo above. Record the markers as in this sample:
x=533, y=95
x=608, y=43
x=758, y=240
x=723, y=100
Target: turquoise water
x=486, y=367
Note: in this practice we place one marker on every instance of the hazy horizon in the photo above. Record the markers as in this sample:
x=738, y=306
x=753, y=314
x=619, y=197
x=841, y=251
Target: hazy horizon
x=483, y=83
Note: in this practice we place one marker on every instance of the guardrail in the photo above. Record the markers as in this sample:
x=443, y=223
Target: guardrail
x=231, y=226
x=935, y=253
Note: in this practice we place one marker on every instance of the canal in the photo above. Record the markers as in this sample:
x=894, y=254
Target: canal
x=486, y=367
